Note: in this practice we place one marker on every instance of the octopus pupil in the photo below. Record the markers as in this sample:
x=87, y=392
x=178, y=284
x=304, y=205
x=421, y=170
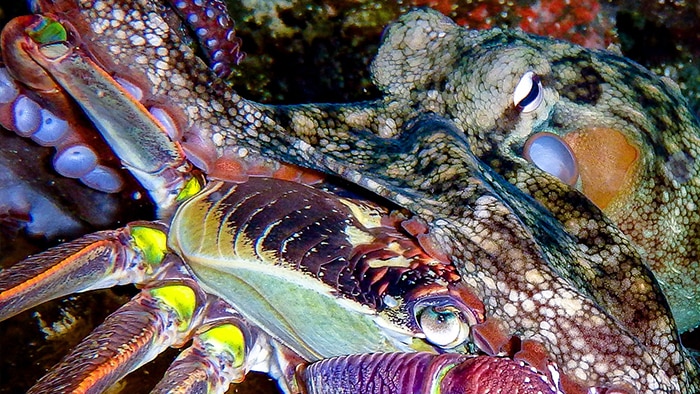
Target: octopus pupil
x=533, y=94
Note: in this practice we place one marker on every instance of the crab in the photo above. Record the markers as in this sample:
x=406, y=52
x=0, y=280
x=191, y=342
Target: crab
x=467, y=277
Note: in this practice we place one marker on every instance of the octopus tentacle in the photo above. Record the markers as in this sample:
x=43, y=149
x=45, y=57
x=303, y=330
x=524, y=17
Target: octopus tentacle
x=213, y=27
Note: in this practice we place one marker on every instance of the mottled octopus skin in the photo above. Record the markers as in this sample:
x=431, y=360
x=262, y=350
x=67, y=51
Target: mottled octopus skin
x=547, y=263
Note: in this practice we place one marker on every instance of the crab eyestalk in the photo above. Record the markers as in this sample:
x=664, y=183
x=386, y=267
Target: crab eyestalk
x=135, y=136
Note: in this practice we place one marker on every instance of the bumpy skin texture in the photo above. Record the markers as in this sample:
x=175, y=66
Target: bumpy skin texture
x=529, y=265
x=445, y=140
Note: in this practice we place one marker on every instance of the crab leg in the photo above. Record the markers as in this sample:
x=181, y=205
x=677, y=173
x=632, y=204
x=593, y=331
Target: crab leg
x=95, y=261
x=423, y=373
x=135, y=135
x=222, y=353
x=136, y=333
x=214, y=360
x=32, y=105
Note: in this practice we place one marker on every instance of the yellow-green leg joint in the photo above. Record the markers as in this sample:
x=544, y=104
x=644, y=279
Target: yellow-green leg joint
x=435, y=387
x=192, y=187
x=226, y=338
x=152, y=243
x=180, y=299
x=216, y=359
x=48, y=31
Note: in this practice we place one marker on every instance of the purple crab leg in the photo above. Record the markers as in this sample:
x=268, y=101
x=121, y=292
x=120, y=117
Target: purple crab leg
x=423, y=373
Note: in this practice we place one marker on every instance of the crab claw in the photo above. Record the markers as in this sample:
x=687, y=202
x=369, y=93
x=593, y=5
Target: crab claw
x=33, y=105
x=53, y=63
x=423, y=373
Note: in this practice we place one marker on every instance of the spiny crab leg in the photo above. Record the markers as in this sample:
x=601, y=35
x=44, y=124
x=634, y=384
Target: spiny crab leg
x=217, y=356
x=136, y=137
x=95, y=261
x=153, y=319
x=224, y=349
x=34, y=106
x=157, y=318
x=133, y=335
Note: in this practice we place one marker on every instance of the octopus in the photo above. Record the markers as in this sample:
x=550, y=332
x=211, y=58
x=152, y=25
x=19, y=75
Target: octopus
x=561, y=182
x=458, y=138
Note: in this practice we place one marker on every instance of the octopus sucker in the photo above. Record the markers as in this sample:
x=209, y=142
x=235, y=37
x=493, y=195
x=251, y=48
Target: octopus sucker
x=74, y=158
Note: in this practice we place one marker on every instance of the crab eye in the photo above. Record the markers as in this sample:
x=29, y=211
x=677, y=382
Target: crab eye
x=552, y=154
x=528, y=93
x=443, y=326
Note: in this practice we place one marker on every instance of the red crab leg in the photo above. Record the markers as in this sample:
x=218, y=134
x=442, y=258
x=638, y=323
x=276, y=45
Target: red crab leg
x=95, y=261
x=154, y=320
x=214, y=360
x=34, y=106
x=221, y=353
x=136, y=137
x=423, y=373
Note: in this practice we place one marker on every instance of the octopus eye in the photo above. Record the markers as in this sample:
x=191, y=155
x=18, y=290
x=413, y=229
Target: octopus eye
x=552, y=154
x=528, y=93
